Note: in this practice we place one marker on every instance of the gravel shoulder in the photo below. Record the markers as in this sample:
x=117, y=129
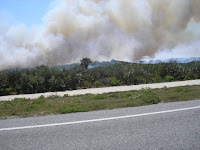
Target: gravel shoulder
x=105, y=89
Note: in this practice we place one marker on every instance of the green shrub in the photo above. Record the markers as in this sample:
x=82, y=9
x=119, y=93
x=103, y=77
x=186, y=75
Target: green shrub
x=169, y=78
x=165, y=88
x=189, y=76
x=180, y=89
x=66, y=95
x=13, y=103
x=141, y=80
x=100, y=96
x=98, y=106
x=87, y=84
x=13, y=93
x=41, y=97
x=53, y=97
x=113, y=95
x=45, y=79
x=8, y=90
x=77, y=100
x=71, y=109
x=39, y=100
x=148, y=96
x=19, y=101
x=136, y=96
x=114, y=81
x=6, y=105
x=97, y=84
x=125, y=95
x=105, y=81
x=88, y=95
x=48, y=105
x=31, y=107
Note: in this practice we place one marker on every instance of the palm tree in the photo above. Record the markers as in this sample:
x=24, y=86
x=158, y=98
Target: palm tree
x=85, y=62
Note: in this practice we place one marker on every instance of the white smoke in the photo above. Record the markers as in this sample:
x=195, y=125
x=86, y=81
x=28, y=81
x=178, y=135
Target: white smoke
x=186, y=50
x=103, y=30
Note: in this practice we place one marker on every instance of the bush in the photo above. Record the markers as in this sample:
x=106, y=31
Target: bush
x=100, y=96
x=7, y=91
x=19, y=101
x=71, y=109
x=189, y=76
x=44, y=79
x=165, y=88
x=97, y=84
x=180, y=89
x=48, y=105
x=98, y=106
x=39, y=100
x=141, y=80
x=85, y=62
x=31, y=107
x=41, y=97
x=89, y=95
x=66, y=95
x=169, y=78
x=105, y=81
x=114, y=95
x=87, y=84
x=148, y=96
x=7, y=105
x=114, y=81
x=125, y=95
x=53, y=97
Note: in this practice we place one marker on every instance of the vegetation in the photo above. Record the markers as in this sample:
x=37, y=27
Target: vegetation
x=45, y=79
x=85, y=62
x=22, y=107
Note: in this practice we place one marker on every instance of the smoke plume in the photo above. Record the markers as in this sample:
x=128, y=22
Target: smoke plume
x=103, y=30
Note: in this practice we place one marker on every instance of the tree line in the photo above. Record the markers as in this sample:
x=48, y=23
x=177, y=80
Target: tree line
x=45, y=79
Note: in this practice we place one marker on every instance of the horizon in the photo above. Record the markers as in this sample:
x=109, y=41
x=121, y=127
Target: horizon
x=153, y=61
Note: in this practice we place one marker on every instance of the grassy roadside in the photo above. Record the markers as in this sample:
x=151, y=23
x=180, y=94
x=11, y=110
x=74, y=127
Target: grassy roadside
x=81, y=103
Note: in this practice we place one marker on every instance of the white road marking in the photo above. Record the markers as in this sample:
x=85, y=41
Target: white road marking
x=97, y=120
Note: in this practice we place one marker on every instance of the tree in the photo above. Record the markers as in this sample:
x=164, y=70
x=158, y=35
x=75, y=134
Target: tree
x=85, y=62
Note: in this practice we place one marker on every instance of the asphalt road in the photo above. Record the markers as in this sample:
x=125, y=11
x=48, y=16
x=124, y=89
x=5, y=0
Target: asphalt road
x=165, y=126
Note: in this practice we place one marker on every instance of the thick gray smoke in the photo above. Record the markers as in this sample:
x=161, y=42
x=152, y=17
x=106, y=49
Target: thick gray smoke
x=103, y=30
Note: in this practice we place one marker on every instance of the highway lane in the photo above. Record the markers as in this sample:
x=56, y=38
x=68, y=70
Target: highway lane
x=162, y=126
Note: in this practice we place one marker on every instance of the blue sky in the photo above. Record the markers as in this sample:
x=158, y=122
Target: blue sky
x=195, y=27
x=29, y=12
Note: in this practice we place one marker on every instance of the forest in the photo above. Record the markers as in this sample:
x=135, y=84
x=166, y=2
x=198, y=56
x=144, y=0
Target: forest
x=50, y=79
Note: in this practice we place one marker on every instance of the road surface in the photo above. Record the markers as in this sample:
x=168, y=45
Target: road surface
x=105, y=89
x=164, y=126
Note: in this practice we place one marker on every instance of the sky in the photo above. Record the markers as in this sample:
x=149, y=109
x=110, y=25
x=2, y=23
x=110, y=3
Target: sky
x=56, y=32
x=28, y=12
x=31, y=12
x=194, y=27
